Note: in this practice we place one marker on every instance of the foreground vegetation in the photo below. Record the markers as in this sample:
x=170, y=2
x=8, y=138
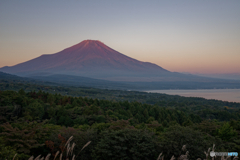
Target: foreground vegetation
x=37, y=118
x=126, y=127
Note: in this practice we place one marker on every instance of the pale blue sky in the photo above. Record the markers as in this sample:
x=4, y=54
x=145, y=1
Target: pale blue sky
x=185, y=36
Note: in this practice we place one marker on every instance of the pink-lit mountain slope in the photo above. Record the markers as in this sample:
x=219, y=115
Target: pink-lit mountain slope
x=89, y=58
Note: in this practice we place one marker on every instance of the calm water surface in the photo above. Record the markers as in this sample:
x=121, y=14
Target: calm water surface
x=231, y=95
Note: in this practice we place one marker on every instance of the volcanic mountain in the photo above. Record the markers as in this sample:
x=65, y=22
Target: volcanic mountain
x=90, y=58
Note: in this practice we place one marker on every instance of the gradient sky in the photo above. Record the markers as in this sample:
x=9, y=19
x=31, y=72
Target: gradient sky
x=183, y=36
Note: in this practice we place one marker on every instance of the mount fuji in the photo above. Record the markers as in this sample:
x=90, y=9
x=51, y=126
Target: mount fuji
x=90, y=58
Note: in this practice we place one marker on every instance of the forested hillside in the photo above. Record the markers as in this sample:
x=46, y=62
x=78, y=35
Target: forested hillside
x=38, y=117
x=133, y=125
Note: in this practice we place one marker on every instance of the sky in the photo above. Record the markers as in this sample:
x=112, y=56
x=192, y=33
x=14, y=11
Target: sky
x=200, y=37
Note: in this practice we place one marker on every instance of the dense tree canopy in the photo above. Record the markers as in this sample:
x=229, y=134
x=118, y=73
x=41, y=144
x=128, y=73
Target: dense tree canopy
x=130, y=126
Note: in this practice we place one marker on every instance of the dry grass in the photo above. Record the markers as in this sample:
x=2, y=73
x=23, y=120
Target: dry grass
x=70, y=156
x=69, y=152
x=186, y=155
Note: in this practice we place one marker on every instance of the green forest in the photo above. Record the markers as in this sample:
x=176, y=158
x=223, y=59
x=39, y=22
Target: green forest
x=38, y=119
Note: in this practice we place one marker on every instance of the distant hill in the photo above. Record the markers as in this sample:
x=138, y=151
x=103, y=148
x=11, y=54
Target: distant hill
x=231, y=76
x=207, y=83
x=7, y=76
x=71, y=80
x=78, y=81
x=64, y=80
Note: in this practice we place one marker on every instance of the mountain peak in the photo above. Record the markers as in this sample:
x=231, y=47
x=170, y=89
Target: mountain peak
x=89, y=41
x=88, y=44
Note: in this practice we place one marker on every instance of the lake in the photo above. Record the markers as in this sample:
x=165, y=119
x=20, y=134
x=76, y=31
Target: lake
x=231, y=95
